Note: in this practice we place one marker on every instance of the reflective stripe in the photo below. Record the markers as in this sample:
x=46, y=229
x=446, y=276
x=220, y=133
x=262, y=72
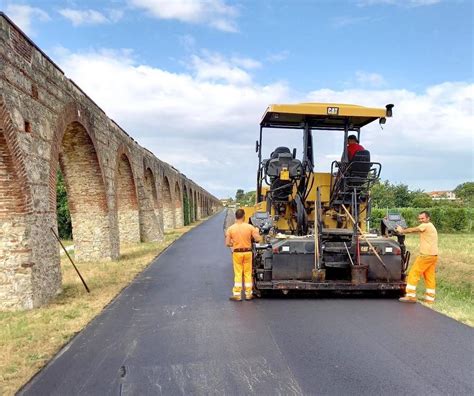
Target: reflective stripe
x=236, y=293
x=238, y=284
x=429, y=298
x=410, y=295
x=431, y=291
x=410, y=287
x=248, y=284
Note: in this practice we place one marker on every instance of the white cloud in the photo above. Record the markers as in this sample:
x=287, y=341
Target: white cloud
x=374, y=80
x=402, y=3
x=90, y=17
x=246, y=63
x=23, y=15
x=428, y=141
x=215, y=13
x=205, y=121
x=214, y=67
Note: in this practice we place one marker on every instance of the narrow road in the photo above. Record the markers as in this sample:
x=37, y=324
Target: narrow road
x=174, y=332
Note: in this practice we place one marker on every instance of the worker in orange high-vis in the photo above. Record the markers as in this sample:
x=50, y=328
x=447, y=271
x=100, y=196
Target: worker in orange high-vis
x=239, y=238
x=425, y=263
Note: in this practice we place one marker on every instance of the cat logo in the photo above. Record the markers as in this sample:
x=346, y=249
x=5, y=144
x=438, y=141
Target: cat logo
x=333, y=110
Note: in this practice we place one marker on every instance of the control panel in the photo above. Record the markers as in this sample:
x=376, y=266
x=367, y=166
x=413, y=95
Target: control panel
x=390, y=223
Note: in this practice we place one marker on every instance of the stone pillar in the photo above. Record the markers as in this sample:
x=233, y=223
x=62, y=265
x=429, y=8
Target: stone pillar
x=86, y=194
x=149, y=225
x=127, y=205
x=29, y=257
x=168, y=207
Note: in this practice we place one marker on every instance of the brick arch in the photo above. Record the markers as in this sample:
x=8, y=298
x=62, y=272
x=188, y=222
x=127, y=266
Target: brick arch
x=15, y=205
x=14, y=193
x=74, y=151
x=150, y=188
x=149, y=207
x=178, y=202
x=168, y=208
x=201, y=205
x=71, y=113
x=126, y=197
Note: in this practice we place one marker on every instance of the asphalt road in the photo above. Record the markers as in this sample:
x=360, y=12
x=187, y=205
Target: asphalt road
x=174, y=332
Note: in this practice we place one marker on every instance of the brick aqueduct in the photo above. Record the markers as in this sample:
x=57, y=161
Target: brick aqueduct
x=118, y=191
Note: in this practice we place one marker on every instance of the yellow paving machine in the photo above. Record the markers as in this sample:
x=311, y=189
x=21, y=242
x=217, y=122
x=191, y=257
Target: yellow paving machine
x=315, y=225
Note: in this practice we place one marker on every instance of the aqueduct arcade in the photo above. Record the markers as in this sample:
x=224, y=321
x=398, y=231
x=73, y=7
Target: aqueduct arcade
x=118, y=192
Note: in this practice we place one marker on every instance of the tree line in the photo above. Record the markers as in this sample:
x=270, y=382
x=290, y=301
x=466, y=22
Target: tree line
x=447, y=215
x=389, y=195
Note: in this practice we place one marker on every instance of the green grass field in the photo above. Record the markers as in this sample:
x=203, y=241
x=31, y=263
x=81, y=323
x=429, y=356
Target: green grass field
x=454, y=273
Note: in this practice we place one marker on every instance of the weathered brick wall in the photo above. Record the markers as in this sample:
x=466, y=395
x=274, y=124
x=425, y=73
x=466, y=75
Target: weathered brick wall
x=168, y=207
x=118, y=192
x=150, y=227
x=127, y=202
x=178, y=206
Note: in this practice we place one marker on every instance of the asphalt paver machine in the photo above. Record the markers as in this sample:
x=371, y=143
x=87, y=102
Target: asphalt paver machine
x=315, y=225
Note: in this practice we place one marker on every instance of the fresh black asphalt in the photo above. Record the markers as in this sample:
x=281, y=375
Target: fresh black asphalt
x=173, y=331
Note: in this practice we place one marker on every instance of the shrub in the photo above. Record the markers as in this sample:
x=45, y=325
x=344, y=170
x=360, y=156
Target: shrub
x=445, y=219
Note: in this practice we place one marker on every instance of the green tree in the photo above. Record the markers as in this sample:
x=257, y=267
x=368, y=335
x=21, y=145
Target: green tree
x=186, y=210
x=420, y=199
x=62, y=209
x=239, y=195
x=465, y=191
x=383, y=195
x=250, y=197
x=402, y=196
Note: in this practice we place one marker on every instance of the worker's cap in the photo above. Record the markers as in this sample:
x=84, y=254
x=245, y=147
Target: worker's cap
x=353, y=137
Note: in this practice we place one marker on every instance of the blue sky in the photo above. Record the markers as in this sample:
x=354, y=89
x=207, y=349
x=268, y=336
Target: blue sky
x=190, y=79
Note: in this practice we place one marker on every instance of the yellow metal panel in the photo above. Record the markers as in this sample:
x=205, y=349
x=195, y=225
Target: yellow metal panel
x=323, y=109
x=249, y=211
x=320, y=115
x=284, y=174
x=323, y=181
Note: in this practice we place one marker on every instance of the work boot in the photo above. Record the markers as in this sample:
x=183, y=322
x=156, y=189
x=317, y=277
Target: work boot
x=248, y=298
x=235, y=298
x=407, y=299
x=427, y=300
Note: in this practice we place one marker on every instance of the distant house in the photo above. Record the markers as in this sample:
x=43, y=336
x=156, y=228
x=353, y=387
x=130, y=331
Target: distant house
x=225, y=202
x=442, y=195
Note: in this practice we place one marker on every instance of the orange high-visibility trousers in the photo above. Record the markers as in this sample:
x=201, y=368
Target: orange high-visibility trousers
x=242, y=267
x=424, y=266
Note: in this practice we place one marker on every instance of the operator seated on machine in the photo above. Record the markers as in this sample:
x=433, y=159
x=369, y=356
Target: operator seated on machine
x=353, y=147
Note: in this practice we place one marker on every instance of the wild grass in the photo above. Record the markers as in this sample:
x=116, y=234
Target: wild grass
x=454, y=273
x=29, y=339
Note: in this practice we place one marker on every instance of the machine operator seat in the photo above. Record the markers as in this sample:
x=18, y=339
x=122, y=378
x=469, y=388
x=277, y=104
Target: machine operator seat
x=279, y=150
x=360, y=163
x=281, y=159
x=358, y=168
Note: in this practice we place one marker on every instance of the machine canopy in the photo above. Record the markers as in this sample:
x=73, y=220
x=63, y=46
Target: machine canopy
x=322, y=116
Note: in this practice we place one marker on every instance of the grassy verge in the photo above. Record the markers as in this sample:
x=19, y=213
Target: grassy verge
x=455, y=275
x=67, y=242
x=29, y=339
